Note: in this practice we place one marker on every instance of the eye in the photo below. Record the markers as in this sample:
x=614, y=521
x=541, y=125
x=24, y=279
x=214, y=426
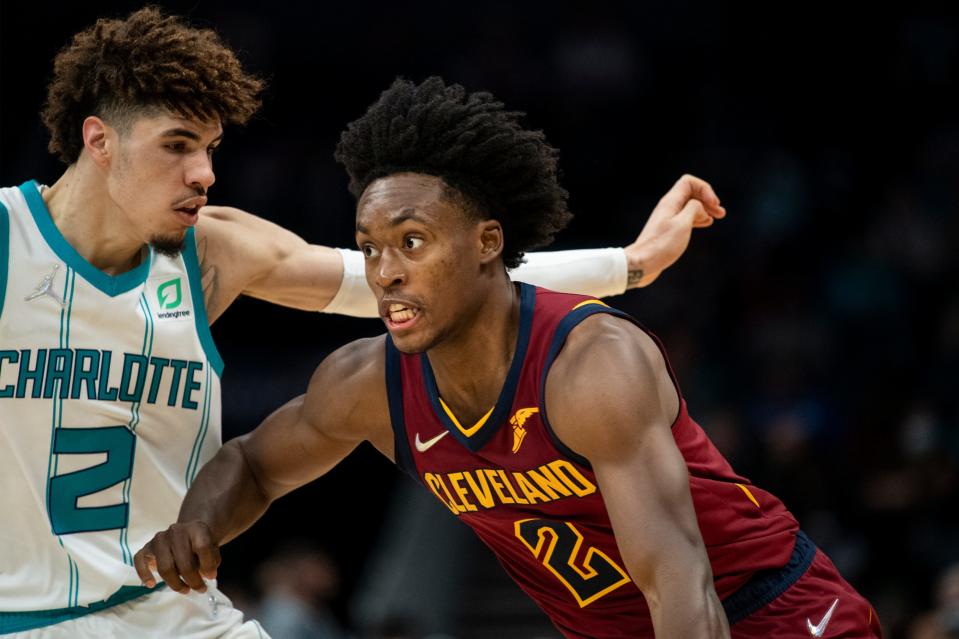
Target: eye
x=370, y=251
x=411, y=242
x=212, y=149
x=176, y=147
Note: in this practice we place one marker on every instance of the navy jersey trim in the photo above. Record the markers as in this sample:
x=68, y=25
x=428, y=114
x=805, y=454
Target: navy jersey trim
x=4, y=253
x=394, y=392
x=111, y=285
x=563, y=329
x=765, y=586
x=566, y=325
x=192, y=263
x=505, y=401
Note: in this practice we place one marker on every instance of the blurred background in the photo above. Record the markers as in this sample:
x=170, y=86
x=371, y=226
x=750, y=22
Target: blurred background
x=815, y=331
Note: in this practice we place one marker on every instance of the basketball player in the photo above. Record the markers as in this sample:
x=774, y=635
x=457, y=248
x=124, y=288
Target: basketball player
x=109, y=279
x=548, y=422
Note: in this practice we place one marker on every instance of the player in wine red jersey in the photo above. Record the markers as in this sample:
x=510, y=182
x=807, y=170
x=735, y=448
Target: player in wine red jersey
x=550, y=423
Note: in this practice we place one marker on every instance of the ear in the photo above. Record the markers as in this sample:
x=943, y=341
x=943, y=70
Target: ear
x=97, y=137
x=491, y=241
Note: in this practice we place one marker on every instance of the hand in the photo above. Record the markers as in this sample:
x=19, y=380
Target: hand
x=691, y=203
x=183, y=555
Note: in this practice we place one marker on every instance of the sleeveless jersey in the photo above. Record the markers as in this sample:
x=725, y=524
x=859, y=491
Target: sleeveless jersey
x=109, y=404
x=537, y=504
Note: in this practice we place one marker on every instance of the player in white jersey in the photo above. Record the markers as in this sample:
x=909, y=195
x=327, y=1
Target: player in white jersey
x=109, y=279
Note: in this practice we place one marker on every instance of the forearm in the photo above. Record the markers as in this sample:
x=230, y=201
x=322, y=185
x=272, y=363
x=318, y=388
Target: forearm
x=353, y=297
x=597, y=272
x=681, y=609
x=225, y=495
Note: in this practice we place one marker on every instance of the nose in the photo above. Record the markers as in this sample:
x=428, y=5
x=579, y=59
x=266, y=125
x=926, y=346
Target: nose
x=390, y=271
x=199, y=171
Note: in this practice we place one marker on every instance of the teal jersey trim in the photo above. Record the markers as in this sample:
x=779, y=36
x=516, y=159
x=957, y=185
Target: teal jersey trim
x=199, y=306
x=4, y=253
x=112, y=285
x=31, y=619
x=193, y=463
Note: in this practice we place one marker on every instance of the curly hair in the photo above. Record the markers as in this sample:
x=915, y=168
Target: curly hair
x=148, y=60
x=474, y=145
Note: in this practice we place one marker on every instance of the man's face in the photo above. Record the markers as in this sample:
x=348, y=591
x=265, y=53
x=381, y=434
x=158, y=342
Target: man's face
x=160, y=175
x=422, y=259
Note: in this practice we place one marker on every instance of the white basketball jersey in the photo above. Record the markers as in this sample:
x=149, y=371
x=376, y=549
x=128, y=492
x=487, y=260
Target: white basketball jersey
x=109, y=405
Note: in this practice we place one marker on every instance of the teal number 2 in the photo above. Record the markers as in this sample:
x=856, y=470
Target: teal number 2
x=64, y=491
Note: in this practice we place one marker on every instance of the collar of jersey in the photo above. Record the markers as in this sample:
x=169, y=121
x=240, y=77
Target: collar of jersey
x=475, y=437
x=112, y=285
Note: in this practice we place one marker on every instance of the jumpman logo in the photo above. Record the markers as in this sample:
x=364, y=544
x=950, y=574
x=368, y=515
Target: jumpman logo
x=45, y=287
x=214, y=602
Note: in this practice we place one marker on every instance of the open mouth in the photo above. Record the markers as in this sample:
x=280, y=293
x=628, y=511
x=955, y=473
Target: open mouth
x=188, y=215
x=189, y=209
x=401, y=315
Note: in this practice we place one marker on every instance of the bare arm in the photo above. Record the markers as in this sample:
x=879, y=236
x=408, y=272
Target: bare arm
x=344, y=405
x=242, y=254
x=610, y=399
x=690, y=204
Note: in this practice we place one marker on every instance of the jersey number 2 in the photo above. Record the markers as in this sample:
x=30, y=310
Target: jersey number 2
x=598, y=576
x=65, y=491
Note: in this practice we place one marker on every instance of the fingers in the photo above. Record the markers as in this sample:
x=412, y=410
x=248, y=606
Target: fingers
x=166, y=564
x=701, y=224
x=698, y=188
x=143, y=562
x=691, y=187
x=694, y=214
x=207, y=552
x=186, y=564
x=182, y=556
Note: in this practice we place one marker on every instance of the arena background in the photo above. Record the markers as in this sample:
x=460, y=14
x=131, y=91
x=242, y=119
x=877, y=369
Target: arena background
x=815, y=331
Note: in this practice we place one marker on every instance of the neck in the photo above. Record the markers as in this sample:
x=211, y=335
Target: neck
x=90, y=221
x=471, y=365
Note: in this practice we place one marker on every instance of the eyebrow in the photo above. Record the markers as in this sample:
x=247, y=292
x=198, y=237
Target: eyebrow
x=406, y=214
x=187, y=133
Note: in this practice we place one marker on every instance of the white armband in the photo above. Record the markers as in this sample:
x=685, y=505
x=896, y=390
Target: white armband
x=354, y=296
x=597, y=272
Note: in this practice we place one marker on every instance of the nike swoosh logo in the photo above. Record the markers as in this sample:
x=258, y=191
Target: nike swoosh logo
x=820, y=628
x=425, y=446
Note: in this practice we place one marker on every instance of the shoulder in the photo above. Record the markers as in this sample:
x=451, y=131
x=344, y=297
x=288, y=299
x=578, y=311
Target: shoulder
x=358, y=362
x=225, y=224
x=221, y=233
x=606, y=348
x=348, y=389
x=228, y=214
x=608, y=383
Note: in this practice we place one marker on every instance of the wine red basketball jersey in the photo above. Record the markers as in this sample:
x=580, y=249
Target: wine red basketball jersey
x=537, y=504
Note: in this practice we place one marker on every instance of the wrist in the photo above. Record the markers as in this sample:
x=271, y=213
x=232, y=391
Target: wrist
x=640, y=269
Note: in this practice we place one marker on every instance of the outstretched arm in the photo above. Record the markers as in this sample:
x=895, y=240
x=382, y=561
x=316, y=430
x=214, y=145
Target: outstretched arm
x=691, y=203
x=293, y=446
x=610, y=398
x=242, y=254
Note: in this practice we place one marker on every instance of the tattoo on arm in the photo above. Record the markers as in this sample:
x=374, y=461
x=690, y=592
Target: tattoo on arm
x=634, y=277
x=208, y=275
